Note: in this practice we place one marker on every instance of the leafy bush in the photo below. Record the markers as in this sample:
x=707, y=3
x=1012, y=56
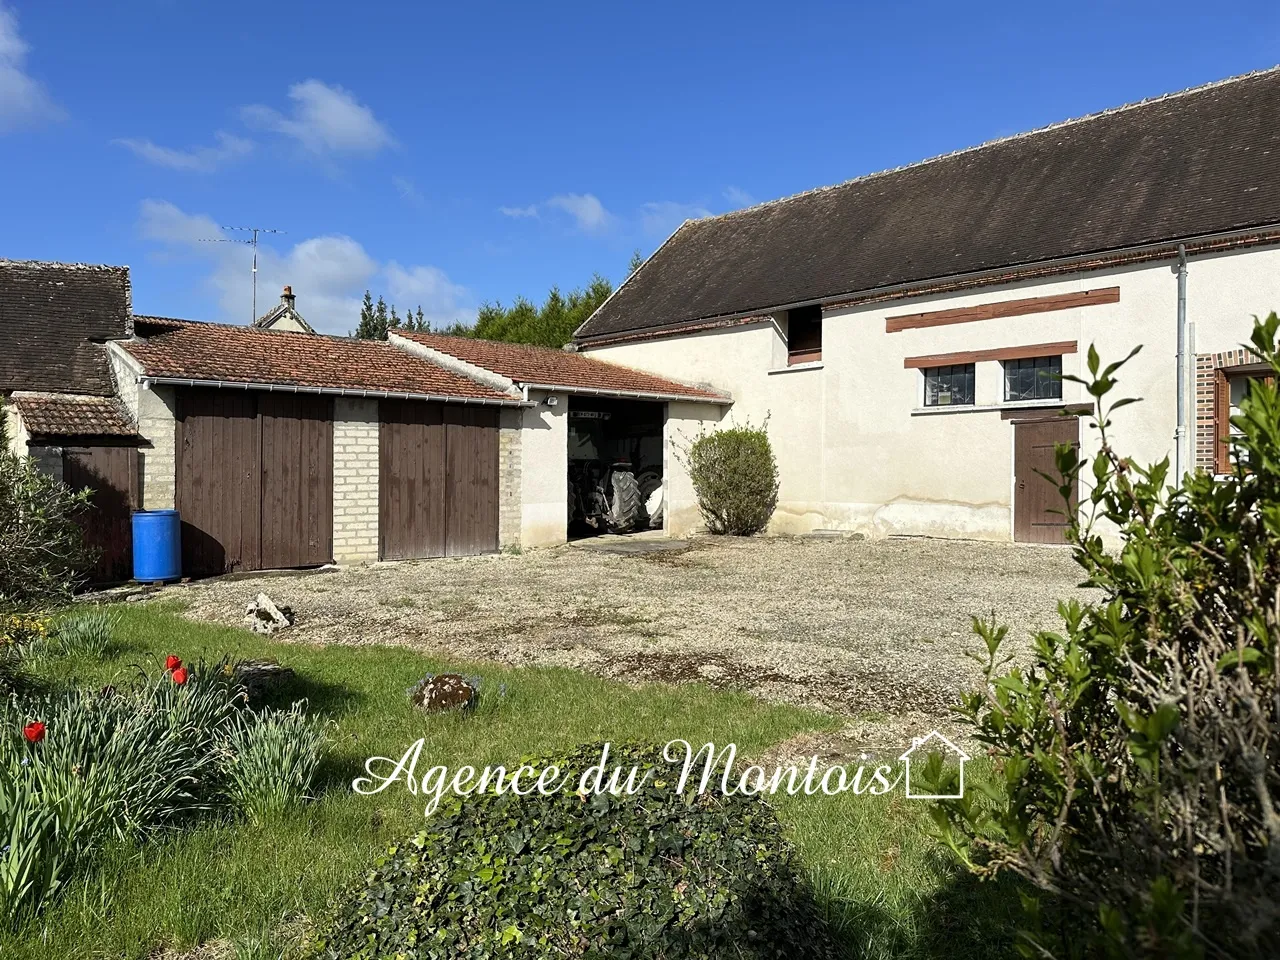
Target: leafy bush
x=735, y=476
x=1141, y=750
x=654, y=874
x=271, y=760
x=43, y=554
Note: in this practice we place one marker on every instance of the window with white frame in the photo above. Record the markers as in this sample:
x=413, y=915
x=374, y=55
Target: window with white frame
x=949, y=386
x=1033, y=378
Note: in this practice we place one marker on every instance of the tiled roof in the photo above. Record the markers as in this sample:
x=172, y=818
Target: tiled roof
x=50, y=316
x=188, y=350
x=558, y=368
x=71, y=415
x=1192, y=164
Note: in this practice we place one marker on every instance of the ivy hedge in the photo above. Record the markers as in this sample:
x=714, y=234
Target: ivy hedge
x=654, y=874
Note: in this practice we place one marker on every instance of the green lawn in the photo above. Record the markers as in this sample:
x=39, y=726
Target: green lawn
x=886, y=886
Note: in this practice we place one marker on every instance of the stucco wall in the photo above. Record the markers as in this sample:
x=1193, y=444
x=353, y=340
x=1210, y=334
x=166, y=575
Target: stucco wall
x=857, y=450
x=544, y=481
x=356, y=424
x=684, y=423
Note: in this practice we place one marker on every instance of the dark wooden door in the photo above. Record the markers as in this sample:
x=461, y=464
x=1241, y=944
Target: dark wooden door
x=254, y=480
x=411, y=480
x=1039, y=515
x=111, y=472
x=297, y=479
x=471, y=485
x=219, y=481
x=438, y=480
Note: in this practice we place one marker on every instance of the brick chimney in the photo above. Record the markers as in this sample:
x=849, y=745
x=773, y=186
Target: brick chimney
x=287, y=297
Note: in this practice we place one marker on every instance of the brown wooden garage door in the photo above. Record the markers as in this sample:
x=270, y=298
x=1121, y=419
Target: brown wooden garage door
x=111, y=472
x=255, y=480
x=438, y=480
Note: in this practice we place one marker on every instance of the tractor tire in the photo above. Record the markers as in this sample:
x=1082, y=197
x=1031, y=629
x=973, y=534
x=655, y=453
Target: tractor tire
x=625, y=506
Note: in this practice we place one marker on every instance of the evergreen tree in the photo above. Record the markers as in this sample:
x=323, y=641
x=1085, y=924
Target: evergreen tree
x=637, y=261
x=366, y=329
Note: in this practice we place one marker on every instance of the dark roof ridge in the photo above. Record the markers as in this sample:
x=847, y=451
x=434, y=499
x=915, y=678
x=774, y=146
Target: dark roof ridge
x=1022, y=135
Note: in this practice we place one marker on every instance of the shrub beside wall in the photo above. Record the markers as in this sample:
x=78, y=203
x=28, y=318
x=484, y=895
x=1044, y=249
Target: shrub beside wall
x=43, y=555
x=1141, y=751
x=735, y=476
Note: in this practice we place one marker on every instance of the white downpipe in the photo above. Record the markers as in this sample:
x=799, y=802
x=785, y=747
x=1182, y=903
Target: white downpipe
x=1182, y=462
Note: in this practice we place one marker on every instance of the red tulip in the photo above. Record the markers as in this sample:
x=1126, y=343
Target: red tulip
x=34, y=732
x=180, y=676
x=172, y=663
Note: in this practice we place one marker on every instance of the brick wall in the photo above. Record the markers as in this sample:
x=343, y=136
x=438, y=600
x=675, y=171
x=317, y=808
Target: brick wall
x=509, y=477
x=1207, y=365
x=355, y=480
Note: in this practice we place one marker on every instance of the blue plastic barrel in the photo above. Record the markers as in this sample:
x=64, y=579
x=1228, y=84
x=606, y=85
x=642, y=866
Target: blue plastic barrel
x=157, y=546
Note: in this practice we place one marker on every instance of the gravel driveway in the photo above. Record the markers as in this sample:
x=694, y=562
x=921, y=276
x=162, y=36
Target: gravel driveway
x=875, y=630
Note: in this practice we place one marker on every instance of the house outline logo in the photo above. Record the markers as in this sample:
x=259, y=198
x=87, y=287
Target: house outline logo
x=916, y=744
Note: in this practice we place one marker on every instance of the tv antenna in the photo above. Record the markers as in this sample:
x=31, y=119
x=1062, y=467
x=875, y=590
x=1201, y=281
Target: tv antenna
x=252, y=242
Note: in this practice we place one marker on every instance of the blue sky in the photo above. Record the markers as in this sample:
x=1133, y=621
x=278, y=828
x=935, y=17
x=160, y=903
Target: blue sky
x=444, y=155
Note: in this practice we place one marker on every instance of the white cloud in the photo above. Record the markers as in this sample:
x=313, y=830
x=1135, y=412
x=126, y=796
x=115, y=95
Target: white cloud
x=409, y=191
x=442, y=300
x=738, y=197
x=196, y=159
x=587, y=211
x=662, y=217
x=324, y=119
x=23, y=99
x=519, y=212
x=329, y=274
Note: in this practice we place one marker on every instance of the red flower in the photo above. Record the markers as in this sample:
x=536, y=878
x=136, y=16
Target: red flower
x=34, y=732
x=172, y=663
x=180, y=676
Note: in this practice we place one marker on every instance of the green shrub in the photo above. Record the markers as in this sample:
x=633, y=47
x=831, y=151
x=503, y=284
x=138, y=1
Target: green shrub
x=1140, y=751
x=735, y=477
x=654, y=874
x=270, y=760
x=43, y=554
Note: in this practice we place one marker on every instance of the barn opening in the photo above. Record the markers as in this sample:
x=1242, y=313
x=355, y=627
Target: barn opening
x=615, y=465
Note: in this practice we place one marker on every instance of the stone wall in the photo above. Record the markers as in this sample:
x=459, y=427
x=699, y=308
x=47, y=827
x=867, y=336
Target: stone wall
x=510, y=477
x=355, y=480
x=158, y=425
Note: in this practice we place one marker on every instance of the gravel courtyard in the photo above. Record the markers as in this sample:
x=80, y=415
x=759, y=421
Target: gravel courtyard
x=874, y=630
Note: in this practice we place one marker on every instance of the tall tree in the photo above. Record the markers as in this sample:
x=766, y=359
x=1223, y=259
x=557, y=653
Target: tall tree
x=637, y=261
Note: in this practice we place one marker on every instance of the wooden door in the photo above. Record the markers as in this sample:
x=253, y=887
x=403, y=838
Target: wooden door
x=254, y=480
x=297, y=479
x=471, y=486
x=111, y=472
x=219, y=481
x=1039, y=515
x=411, y=480
x=438, y=480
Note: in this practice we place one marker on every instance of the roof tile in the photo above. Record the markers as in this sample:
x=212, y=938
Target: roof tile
x=545, y=366
x=1192, y=164
x=206, y=351
x=70, y=415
